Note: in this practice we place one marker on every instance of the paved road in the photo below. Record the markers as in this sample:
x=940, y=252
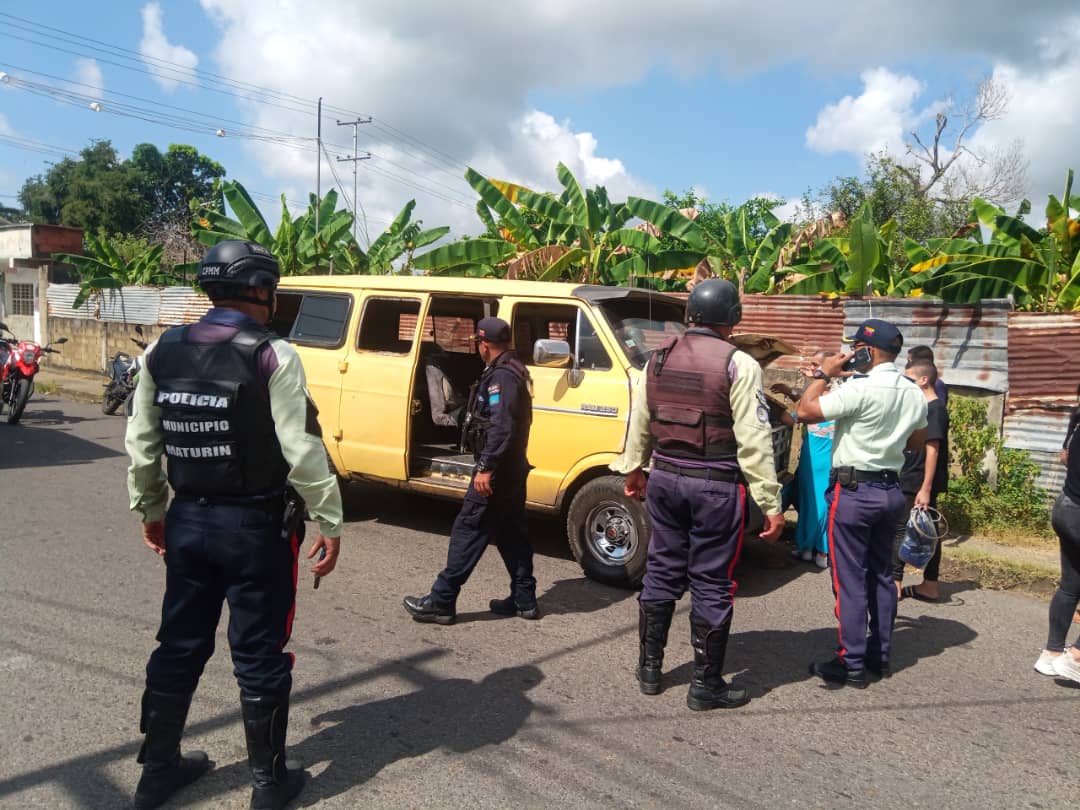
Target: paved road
x=495, y=713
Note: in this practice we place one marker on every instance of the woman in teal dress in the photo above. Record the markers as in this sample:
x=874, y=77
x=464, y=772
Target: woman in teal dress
x=812, y=481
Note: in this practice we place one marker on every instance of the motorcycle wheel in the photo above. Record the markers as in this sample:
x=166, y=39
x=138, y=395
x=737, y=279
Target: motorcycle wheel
x=20, y=394
x=109, y=404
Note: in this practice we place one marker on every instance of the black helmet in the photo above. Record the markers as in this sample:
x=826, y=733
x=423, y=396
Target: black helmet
x=714, y=302
x=236, y=263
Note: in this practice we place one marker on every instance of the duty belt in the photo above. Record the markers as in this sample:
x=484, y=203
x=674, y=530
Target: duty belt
x=708, y=473
x=864, y=476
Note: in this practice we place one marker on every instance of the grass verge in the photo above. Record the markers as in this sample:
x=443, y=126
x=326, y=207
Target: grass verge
x=995, y=573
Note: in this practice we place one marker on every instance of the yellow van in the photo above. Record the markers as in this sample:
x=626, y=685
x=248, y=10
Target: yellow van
x=389, y=364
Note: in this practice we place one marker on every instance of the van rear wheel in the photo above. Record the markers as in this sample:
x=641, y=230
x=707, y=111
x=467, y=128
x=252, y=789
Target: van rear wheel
x=608, y=532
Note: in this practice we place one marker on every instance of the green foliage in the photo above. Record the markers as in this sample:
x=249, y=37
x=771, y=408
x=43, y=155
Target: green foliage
x=301, y=249
x=1040, y=269
x=99, y=191
x=972, y=506
x=577, y=235
x=108, y=265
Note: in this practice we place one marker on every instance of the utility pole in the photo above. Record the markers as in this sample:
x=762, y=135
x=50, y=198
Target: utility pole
x=356, y=156
x=318, y=176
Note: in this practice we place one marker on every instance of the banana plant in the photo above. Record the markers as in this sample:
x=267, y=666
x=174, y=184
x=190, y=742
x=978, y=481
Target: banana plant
x=735, y=254
x=857, y=264
x=103, y=268
x=578, y=235
x=1039, y=269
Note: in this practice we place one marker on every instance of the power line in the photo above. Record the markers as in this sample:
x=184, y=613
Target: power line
x=239, y=88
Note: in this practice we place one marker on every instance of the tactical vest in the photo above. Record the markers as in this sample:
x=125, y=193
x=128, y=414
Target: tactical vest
x=689, y=394
x=477, y=419
x=215, y=413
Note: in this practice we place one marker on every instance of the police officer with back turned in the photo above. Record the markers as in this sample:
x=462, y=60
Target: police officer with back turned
x=496, y=431
x=225, y=401
x=877, y=413
x=701, y=414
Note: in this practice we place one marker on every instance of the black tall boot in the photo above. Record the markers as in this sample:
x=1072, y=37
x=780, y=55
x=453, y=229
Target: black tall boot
x=165, y=770
x=708, y=689
x=266, y=719
x=654, y=620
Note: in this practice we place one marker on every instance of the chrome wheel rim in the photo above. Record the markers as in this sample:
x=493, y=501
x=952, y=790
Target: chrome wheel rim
x=611, y=533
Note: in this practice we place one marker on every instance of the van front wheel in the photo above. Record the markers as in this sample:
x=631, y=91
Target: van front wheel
x=608, y=532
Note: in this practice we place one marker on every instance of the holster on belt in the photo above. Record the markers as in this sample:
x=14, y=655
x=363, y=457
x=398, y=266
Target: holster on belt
x=845, y=477
x=293, y=516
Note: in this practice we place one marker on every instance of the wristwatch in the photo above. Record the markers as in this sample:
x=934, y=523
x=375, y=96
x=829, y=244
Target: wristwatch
x=481, y=467
x=820, y=375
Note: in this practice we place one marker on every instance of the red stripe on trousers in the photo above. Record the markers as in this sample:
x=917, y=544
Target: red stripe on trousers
x=835, y=576
x=738, y=545
x=294, y=543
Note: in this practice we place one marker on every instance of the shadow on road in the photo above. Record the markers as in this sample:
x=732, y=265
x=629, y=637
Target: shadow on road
x=409, y=510
x=26, y=445
x=355, y=743
x=775, y=658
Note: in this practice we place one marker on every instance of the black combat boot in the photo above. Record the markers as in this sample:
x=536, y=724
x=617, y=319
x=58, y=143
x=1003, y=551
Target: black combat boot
x=654, y=620
x=165, y=770
x=708, y=689
x=266, y=719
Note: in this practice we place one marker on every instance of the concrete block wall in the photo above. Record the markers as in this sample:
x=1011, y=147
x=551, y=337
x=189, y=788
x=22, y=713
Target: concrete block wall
x=92, y=344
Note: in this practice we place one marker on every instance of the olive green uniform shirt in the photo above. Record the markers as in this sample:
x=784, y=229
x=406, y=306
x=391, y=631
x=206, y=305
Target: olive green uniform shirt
x=309, y=473
x=753, y=432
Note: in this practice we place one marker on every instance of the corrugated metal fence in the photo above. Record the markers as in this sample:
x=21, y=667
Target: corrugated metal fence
x=1043, y=379
x=142, y=305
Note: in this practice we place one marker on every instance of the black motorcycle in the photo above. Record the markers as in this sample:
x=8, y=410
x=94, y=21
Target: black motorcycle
x=123, y=369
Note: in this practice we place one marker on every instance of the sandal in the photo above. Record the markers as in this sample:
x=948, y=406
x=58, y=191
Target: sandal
x=909, y=592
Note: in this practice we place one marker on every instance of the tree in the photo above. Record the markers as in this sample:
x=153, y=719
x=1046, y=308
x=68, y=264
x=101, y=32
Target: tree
x=167, y=183
x=100, y=191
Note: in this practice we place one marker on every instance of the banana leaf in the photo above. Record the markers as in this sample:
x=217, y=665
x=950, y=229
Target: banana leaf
x=671, y=222
x=500, y=204
x=471, y=252
x=766, y=257
x=579, y=203
x=247, y=214
x=546, y=206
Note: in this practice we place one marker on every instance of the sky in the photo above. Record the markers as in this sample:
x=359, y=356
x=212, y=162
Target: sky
x=727, y=98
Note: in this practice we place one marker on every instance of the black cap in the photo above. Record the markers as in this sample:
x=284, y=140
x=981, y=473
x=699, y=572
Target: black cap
x=493, y=330
x=878, y=333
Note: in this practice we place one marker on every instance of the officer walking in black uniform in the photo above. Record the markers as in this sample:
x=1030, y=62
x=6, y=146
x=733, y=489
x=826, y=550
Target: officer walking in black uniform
x=497, y=433
x=226, y=402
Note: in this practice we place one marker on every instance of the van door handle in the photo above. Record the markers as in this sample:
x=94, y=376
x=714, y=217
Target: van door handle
x=343, y=366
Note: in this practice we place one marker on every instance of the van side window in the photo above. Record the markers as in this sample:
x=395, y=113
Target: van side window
x=533, y=322
x=388, y=325
x=315, y=319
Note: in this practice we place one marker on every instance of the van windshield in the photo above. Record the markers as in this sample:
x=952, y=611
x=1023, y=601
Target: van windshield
x=641, y=324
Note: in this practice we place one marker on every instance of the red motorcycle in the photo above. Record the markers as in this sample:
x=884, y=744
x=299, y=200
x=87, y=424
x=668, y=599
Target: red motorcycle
x=19, y=364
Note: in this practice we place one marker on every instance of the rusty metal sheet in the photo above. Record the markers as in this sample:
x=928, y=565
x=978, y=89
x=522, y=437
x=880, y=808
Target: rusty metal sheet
x=126, y=305
x=182, y=305
x=1043, y=352
x=61, y=297
x=807, y=322
x=970, y=342
x=1041, y=433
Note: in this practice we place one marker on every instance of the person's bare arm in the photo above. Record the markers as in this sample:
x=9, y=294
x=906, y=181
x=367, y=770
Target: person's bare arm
x=933, y=447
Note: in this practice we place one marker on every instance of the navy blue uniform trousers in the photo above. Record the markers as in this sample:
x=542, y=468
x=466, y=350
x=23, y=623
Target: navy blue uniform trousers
x=862, y=525
x=214, y=553
x=500, y=518
x=697, y=535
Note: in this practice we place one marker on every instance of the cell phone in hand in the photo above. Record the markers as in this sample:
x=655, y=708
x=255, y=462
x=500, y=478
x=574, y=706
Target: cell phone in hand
x=860, y=361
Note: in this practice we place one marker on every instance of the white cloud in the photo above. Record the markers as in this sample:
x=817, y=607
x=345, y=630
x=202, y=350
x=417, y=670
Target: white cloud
x=874, y=121
x=459, y=76
x=88, y=72
x=5, y=126
x=170, y=65
x=1043, y=114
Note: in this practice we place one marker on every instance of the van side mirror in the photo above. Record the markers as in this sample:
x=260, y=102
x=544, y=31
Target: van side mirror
x=551, y=353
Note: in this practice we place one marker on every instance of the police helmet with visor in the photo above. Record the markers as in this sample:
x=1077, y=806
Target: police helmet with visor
x=714, y=302
x=232, y=266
